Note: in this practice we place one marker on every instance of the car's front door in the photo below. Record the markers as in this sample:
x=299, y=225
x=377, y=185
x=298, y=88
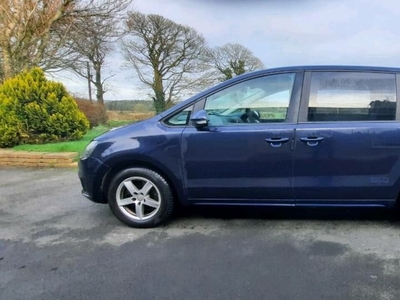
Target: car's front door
x=245, y=154
x=347, y=147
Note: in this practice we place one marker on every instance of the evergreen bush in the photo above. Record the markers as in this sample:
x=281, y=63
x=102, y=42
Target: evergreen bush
x=36, y=110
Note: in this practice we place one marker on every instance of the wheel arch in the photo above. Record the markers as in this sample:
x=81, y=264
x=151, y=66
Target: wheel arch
x=174, y=183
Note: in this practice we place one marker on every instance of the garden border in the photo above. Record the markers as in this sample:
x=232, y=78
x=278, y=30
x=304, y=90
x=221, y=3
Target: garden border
x=14, y=158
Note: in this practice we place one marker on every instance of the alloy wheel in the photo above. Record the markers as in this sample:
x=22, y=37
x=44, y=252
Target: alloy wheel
x=138, y=198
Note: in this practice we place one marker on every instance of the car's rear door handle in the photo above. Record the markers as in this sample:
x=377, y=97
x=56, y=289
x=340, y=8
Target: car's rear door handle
x=276, y=141
x=312, y=141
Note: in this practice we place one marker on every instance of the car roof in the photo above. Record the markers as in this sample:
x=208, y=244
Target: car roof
x=327, y=68
x=334, y=68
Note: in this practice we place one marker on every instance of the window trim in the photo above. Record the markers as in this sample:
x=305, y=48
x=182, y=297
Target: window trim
x=164, y=120
x=397, y=96
x=294, y=101
x=305, y=98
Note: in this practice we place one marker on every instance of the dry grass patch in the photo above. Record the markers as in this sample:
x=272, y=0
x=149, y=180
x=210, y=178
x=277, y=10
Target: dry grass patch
x=129, y=115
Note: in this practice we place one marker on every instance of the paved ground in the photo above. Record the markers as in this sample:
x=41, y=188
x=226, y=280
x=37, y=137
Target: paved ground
x=56, y=245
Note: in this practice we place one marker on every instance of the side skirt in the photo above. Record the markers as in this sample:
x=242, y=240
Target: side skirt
x=277, y=203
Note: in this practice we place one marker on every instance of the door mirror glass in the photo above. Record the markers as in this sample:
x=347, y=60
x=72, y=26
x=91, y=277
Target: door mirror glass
x=199, y=119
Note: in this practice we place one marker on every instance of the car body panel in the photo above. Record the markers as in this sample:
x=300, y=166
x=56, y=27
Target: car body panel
x=148, y=144
x=249, y=170
x=237, y=163
x=354, y=161
x=91, y=173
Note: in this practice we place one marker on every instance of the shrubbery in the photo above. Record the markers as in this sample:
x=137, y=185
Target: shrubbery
x=95, y=113
x=36, y=110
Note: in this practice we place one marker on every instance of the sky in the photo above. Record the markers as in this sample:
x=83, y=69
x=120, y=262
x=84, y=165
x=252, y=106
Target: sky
x=279, y=32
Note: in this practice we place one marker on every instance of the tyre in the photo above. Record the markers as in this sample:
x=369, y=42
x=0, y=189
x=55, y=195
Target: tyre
x=140, y=198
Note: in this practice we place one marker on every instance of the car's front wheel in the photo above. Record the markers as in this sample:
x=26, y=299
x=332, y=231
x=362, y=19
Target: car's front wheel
x=140, y=197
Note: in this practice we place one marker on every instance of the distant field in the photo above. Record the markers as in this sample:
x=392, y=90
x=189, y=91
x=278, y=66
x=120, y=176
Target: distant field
x=129, y=105
x=118, y=118
x=129, y=115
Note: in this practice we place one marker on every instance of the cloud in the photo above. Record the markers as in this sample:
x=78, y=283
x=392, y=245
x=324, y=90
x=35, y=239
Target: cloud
x=291, y=31
x=285, y=32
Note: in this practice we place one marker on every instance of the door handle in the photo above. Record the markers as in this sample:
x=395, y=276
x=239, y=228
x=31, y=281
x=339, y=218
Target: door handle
x=276, y=141
x=312, y=141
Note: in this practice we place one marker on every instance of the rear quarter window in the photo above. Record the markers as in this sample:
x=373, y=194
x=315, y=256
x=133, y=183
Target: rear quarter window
x=352, y=96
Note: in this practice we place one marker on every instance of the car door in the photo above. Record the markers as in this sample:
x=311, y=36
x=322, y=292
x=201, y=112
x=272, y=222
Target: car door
x=245, y=153
x=348, y=139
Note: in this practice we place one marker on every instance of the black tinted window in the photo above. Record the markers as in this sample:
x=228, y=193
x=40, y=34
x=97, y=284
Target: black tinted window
x=349, y=96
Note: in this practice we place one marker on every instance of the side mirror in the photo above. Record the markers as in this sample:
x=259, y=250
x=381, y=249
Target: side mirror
x=199, y=119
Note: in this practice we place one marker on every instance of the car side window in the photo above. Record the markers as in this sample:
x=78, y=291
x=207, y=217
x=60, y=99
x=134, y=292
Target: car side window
x=259, y=100
x=352, y=96
x=181, y=118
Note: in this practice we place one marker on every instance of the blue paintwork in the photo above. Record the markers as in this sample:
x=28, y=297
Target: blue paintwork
x=148, y=143
x=353, y=163
x=91, y=173
x=235, y=162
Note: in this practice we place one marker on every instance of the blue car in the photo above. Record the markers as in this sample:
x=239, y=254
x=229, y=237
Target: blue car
x=295, y=136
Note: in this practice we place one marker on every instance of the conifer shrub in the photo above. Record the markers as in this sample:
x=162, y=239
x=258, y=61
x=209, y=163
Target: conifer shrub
x=36, y=110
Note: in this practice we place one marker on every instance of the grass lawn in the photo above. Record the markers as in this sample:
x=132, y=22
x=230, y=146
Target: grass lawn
x=117, y=123
x=118, y=119
x=72, y=146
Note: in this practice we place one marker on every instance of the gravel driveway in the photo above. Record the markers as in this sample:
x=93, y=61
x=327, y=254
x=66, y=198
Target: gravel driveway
x=54, y=244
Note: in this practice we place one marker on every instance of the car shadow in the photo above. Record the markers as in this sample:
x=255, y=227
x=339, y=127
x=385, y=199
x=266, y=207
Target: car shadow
x=288, y=213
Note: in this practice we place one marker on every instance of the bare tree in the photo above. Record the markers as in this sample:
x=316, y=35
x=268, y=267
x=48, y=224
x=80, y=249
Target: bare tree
x=231, y=60
x=164, y=54
x=25, y=27
x=92, y=39
x=32, y=32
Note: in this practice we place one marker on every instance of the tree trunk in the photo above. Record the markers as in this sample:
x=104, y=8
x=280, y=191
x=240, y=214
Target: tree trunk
x=89, y=79
x=7, y=68
x=98, y=84
x=159, y=99
x=159, y=102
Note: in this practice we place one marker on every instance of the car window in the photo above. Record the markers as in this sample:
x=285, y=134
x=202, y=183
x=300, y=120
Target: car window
x=259, y=100
x=180, y=118
x=350, y=96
